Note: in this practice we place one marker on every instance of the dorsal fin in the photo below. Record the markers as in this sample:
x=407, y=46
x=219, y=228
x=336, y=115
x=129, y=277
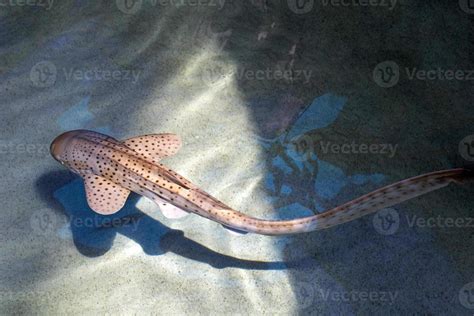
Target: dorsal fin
x=104, y=196
x=154, y=147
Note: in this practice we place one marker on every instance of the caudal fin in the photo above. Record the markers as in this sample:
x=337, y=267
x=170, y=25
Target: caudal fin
x=467, y=176
x=390, y=195
x=387, y=196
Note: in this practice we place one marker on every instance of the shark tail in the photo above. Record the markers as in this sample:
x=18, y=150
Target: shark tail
x=384, y=197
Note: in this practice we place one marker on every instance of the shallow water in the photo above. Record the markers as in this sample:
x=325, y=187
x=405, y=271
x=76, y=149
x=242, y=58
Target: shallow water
x=274, y=105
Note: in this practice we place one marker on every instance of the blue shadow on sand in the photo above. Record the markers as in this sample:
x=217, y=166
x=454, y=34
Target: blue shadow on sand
x=94, y=234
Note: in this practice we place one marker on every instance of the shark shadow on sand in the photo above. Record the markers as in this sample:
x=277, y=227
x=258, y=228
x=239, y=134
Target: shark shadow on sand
x=94, y=234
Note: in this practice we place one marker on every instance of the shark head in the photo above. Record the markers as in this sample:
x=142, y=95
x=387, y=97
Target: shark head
x=63, y=146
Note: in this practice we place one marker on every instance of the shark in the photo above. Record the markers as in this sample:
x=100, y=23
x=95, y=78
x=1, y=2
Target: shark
x=112, y=168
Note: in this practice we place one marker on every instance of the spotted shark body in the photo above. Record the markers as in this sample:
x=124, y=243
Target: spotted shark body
x=111, y=169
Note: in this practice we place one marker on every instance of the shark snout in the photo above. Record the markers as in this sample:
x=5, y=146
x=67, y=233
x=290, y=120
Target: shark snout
x=60, y=144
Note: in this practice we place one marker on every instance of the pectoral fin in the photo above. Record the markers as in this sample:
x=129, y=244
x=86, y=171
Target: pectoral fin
x=104, y=196
x=154, y=147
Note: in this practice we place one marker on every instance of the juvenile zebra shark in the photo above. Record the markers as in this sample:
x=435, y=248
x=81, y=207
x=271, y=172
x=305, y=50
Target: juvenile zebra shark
x=111, y=169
